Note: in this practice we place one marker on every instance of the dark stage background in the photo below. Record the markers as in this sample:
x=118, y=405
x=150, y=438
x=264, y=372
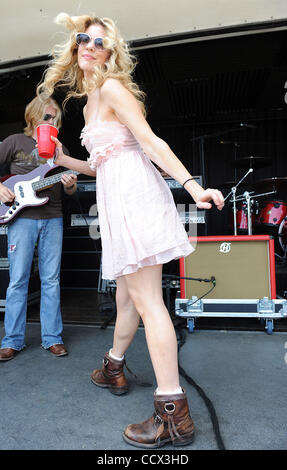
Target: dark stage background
x=194, y=89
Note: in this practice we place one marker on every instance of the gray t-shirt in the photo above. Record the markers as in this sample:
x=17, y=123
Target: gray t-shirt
x=18, y=151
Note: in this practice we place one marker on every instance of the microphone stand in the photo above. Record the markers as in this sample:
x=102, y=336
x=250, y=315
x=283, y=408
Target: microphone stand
x=239, y=182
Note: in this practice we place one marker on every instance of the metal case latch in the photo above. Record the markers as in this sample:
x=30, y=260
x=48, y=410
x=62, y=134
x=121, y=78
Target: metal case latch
x=194, y=305
x=283, y=310
x=265, y=306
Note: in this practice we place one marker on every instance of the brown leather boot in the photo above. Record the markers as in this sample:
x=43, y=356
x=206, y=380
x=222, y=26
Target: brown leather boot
x=7, y=353
x=111, y=376
x=171, y=422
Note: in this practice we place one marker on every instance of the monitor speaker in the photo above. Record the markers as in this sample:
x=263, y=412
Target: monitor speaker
x=243, y=267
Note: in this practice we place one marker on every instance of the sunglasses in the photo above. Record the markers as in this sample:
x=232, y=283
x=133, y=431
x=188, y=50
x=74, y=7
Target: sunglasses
x=47, y=117
x=84, y=38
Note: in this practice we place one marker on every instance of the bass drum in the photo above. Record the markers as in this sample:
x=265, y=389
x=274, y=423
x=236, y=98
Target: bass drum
x=271, y=213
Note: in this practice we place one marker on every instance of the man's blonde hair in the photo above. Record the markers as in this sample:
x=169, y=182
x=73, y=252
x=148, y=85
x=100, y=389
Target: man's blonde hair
x=35, y=111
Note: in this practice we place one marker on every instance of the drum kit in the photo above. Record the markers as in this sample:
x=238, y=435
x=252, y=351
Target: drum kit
x=262, y=208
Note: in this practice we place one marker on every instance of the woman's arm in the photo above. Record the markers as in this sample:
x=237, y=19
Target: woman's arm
x=71, y=163
x=128, y=111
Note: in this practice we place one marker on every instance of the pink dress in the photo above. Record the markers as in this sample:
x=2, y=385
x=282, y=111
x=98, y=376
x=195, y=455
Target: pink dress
x=139, y=222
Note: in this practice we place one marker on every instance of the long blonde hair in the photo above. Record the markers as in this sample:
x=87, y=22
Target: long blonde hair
x=65, y=72
x=34, y=113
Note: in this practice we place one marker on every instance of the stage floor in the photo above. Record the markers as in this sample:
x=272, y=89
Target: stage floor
x=50, y=403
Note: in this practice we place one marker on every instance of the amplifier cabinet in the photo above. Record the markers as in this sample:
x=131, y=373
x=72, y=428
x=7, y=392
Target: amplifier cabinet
x=242, y=269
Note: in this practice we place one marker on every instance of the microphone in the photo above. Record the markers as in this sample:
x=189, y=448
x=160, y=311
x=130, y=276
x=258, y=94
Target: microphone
x=213, y=280
x=251, y=126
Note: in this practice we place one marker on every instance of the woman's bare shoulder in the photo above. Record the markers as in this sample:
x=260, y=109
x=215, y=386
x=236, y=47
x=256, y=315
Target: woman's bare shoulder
x=112, y=85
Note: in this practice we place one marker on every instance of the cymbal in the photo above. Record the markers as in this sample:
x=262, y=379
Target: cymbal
x=251, y=162
x=271, y=183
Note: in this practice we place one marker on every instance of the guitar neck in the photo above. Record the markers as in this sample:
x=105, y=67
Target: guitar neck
x=51, y=180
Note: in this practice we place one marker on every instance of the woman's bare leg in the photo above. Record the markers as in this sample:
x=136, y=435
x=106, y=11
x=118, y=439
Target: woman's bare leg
x=127, y=320
x=145, y=290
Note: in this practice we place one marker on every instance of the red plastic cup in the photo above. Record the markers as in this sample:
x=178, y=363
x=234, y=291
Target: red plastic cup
x=46, y=147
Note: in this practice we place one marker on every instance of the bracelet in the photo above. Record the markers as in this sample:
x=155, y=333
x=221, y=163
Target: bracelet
x=189, y=179
x=70, y=187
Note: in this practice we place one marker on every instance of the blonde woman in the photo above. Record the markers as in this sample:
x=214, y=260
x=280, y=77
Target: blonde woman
x=140, y=226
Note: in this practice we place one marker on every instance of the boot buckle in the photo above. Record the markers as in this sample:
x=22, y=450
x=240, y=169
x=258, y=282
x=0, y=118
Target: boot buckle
x=169, y=408
x=158, y=419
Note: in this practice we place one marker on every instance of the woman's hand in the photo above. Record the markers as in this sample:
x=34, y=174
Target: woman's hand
x=202, y=201
x=61, y=159
x=59, y=154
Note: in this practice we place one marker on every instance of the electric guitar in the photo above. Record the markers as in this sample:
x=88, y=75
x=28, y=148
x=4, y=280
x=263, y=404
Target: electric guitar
x=25, y=188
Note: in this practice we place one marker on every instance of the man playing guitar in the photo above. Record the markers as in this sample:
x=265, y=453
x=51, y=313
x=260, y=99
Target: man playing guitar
x=41, y=225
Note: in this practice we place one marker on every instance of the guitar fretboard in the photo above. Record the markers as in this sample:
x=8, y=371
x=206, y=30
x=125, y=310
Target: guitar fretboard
x=46, y=182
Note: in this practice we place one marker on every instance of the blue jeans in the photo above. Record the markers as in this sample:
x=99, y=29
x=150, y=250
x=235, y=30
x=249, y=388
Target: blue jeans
x=23, y=234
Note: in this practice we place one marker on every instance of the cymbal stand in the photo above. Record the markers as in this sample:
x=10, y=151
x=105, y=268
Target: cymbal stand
x=239, y=182
x=233, y=200
x=202, y=138
x=234, y=209
x=246, y=195
x=284, y=257
x=242, y=197
x=249, y=223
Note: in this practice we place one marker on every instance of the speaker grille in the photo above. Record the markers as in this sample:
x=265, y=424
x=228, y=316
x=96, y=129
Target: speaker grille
x=241, y=269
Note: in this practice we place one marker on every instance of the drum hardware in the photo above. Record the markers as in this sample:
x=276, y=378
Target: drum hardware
x=233, y=189
x=272, y=184
x=252, y=162
x=271, y=213
x=272, y=216
x=251, y=199
x=284, y=257
x=201, y=140
x=246, y=196
x=242, y=216
x=233, y=200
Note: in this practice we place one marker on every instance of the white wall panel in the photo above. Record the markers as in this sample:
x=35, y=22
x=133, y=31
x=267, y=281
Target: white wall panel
x=27, y=28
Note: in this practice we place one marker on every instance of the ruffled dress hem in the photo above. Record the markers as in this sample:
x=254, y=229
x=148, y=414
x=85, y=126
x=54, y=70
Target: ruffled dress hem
x=163, y=257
